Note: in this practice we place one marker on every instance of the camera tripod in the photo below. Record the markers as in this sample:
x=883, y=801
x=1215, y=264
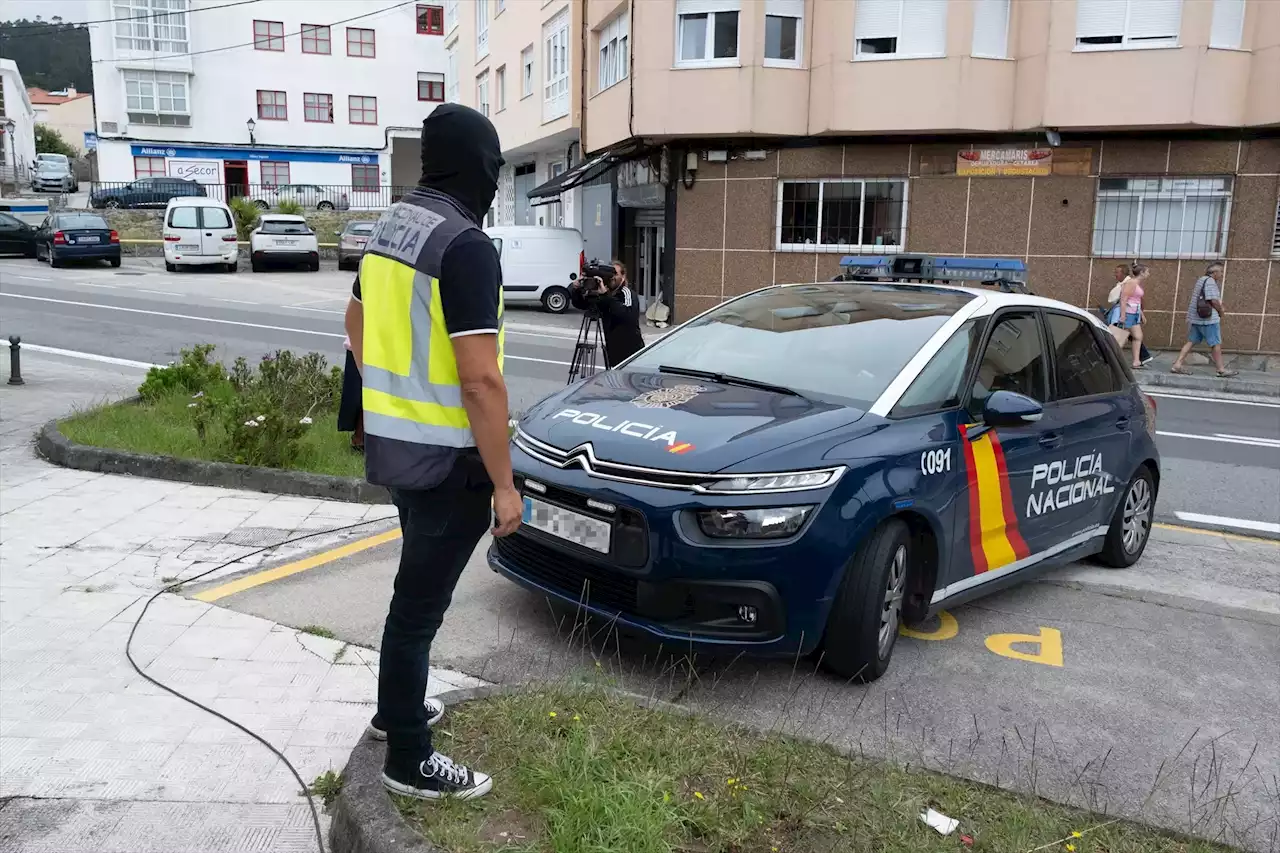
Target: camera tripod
x=590, y=339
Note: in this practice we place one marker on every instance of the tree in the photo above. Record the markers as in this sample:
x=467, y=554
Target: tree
x=50, y=54
x=49, y=141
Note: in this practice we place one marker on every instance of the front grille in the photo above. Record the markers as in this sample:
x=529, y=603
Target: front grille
x=569, y=575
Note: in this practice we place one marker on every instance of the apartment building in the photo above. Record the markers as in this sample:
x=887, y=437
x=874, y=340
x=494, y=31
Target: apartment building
x=747, y=142
x=251, y=95
x=17, y=125
x=67, y=111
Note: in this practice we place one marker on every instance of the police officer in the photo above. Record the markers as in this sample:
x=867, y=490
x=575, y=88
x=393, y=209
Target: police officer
x=619, y=314
x=425, y=322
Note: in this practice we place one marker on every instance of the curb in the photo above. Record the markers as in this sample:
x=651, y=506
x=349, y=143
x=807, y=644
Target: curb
x=60, y=450
x=1234, y=385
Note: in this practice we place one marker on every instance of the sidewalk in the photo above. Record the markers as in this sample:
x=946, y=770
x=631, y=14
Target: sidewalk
x=92, y=757
x=1259, y=375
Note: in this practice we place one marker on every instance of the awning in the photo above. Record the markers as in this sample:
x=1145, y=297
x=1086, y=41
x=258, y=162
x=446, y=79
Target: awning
x=587, y=170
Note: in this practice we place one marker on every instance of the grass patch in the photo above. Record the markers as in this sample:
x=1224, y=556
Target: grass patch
x=165, y=428
x=318, y=631
x=578, y=771
x=327, y=786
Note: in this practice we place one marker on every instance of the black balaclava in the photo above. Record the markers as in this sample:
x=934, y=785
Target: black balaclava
x=461, y=156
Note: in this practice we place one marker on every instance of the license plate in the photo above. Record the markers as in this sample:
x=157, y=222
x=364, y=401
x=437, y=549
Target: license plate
x=88, y=239
x=568, y=525
x=284, y=241
x=187, y=247
x=361, y=243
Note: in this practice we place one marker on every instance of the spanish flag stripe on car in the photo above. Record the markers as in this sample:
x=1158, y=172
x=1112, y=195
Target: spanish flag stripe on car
x=994, y=539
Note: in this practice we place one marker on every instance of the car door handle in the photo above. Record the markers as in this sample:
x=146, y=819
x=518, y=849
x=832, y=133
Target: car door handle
x=1051, y=440
x=1122, y=423
x=208, y=233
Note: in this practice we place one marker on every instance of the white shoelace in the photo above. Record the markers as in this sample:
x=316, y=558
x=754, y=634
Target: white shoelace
x=441, y=766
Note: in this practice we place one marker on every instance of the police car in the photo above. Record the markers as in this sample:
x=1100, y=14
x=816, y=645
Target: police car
x=807, y=467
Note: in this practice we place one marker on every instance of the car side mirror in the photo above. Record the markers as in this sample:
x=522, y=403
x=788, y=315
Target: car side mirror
x=1009, y=408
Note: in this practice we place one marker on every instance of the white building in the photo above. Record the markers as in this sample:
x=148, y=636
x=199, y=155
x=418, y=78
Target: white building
x=324, y=92
x=17, y=124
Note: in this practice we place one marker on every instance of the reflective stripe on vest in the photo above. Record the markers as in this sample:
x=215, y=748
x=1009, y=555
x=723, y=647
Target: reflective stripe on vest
x=411, y=390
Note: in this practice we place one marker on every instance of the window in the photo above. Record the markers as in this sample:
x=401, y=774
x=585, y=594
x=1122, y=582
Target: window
x=430, y=86
x=940, y=385
x=500, y=84
x=706, y=32
x=450, y=15
x=1227, y=30
x=482, y=93
x=431, y=20
x=360, y=43
x=526, y=72
x=615, y=55
x=153, y=26
x=502, y=7
x=1081, y=367
x=991, y=29
x=185, y=217
x=783, y=31
x=842, y=214
x=555, y=40
x=1112, y=24
x=1013, y=361
x=157, y=97
x=215, y=217
x=317, y=107
x=1162, y=217
x=148, y=167
x=482, y=29
x=268, y=35
x=898, y=29
x=364, y=177
x=274, y=174
x=362, y=109
x=451, y=75
x=272, y=106
x=315, y=39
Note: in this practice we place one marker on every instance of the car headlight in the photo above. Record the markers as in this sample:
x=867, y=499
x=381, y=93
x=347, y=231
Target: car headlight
x=772, y=523
x=777, y=482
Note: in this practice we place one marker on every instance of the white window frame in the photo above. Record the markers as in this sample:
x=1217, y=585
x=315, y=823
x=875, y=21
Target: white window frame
x=527, y=77
x=151, y=26
x=1160, y=190
x=500, y=88
x=502, y=7
x=996, y=14
x=710, y=8
x=614, y=51
x=151, y=89
x=1275, y=235
x=452, y=86
x=786, y=9
x=906, y=29
x=555, y=53
x=1128, y=39
x=862, y=208
x=450, y=16
x=482, y=93
x=482, y=29
x=1227, y=29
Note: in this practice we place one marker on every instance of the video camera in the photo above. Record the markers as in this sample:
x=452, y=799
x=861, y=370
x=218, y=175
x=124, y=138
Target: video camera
x=592, y=269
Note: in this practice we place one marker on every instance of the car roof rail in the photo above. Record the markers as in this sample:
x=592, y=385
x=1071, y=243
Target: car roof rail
x=1009, y=275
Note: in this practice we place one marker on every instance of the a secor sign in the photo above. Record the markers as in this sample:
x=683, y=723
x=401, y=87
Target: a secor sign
x=200, y=171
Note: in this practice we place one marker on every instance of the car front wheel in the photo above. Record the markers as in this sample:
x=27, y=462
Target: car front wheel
x=862, y=628
x=1130, y=528
x=112, y=204
x=555, y=299
x=325, y=205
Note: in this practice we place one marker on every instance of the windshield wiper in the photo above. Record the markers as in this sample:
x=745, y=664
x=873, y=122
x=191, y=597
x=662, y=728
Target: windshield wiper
x=729, y=379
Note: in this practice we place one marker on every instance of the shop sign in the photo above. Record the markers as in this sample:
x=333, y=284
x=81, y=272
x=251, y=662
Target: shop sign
x=200, y=171
x=1005, y=161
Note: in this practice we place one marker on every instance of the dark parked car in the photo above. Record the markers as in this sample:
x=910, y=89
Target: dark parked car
x=66, y=237
x=144, y=192
x=16, y=236
x=351, y=243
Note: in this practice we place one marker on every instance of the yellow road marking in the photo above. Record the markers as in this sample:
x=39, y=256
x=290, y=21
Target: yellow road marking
x=269, y=575
x=1204, y=532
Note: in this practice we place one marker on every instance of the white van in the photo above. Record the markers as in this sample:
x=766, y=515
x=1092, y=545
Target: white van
x=199, y=231
x=537, y=262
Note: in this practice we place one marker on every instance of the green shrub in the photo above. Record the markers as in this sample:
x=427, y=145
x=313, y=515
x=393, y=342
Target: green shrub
x=246, y=214
x=288, y=205
x=193, y=374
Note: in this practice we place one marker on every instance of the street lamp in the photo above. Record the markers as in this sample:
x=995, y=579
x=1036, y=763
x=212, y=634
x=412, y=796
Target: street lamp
x=251, y=124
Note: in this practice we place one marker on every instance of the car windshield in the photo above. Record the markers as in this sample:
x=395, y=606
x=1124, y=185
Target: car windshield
x=840, y=343
x=51, y=166
x=284, y=226
x=82, y=220
x=360, y=228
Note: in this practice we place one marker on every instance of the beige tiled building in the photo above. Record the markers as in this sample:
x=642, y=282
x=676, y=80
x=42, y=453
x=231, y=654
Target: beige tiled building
x=745, y=142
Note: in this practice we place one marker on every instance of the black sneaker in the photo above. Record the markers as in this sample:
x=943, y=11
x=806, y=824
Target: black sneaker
x=437, y=778
x=435, y=711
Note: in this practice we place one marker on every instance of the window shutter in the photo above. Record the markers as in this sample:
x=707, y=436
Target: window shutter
x=702, y=7
x=1154, y=19
x=924, y=28
x=1228, y=24
x=785, y=8
x=877, y=19
x=991, y=28
x=1099, y=18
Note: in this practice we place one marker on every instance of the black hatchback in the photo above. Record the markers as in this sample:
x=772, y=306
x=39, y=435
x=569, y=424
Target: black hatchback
x=66, y=237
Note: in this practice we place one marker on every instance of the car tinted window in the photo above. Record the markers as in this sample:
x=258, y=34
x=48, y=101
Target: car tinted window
x=8, y=221
x=1012, y=361
x=1081, y=366
x=832, y=341
x=82, y=220
x=279, y=226
x=184, y=217
x=497, y=244
x=360, y=228
x=941, y=384
x=215, y=217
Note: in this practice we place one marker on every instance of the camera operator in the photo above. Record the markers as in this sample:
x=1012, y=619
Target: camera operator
x=618, y=308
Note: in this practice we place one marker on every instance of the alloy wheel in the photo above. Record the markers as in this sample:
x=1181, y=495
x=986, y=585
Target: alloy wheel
x=556, y=303
x=895, y=588
x=1137, y=515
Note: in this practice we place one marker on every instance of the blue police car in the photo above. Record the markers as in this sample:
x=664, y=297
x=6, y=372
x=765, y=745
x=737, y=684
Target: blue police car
x=809, y=466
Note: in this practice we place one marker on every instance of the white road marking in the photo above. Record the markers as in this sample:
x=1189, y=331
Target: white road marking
x=28, y=277
x=317, y=310
x=314, y=301
x=103, y=286
x=236, y=301
x=1213, y=400
x=157, y=292
x=1254, y=441
x=1225, y=521
x=89, y=356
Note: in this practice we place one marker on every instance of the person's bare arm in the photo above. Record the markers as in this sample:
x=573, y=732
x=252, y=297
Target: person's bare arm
x=355, y=330
x=1217, y=306
x=484, y=396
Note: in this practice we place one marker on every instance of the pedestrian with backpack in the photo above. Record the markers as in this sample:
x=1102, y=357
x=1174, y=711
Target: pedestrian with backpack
x=1204, y=320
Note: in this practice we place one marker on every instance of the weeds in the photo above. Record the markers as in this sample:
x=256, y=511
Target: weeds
x=327, y=786
x=318, y=631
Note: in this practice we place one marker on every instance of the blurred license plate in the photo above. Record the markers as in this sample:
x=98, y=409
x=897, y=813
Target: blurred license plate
x=88, y=239
x=286, y=241
x=361, y=243
x=188, y=247
x=568, y=525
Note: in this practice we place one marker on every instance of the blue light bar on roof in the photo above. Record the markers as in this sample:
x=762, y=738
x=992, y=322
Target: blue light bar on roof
x=935, y=268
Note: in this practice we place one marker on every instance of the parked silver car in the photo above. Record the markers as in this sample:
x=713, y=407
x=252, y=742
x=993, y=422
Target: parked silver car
x=309, y=196
x=351, y=243
x=53, y=176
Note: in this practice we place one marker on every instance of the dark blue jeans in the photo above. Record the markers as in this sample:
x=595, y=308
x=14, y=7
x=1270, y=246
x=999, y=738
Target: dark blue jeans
x=441, y=528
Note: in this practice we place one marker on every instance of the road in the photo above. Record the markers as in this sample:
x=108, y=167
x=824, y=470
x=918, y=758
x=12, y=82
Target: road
x=1221, y=459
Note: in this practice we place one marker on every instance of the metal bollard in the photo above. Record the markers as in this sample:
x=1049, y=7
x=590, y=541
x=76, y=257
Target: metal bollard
x=15, y=360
